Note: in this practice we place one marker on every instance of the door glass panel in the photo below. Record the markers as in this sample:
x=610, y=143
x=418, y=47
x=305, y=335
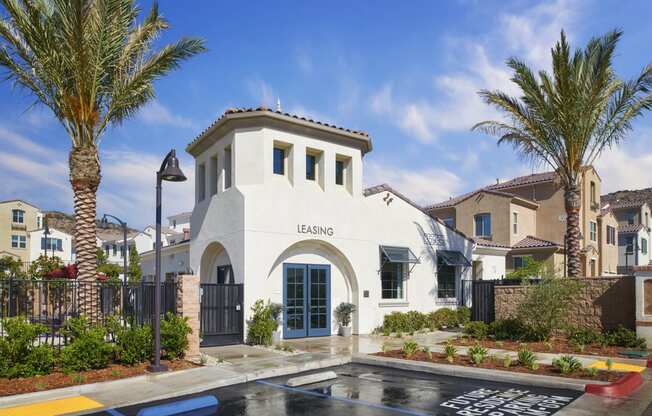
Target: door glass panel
x=318, y=299
x=295, y=311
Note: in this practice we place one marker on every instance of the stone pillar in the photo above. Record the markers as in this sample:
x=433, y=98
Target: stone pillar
x=643, y=276
x=188, y=303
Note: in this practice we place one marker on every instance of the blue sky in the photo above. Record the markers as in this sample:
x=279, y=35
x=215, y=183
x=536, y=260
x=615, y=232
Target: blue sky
x=407, y=75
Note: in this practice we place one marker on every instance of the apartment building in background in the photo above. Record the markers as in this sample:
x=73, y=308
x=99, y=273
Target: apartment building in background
x=633, y=232
x=526, y=216
x=17, y=219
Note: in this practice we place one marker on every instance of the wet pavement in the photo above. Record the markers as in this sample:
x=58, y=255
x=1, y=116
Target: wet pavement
x=367, y=390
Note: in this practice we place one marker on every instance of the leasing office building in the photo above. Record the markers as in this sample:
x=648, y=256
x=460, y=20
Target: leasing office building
x=280, y=207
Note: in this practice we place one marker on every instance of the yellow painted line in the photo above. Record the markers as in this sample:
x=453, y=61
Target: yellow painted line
x=602, y=365
x=52, y=407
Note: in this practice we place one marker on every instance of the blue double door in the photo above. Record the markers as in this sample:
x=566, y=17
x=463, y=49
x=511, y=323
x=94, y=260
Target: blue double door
x=307, y=300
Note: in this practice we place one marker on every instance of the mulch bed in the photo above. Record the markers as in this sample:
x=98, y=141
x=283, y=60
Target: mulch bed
x=544, y=369
x=557, y=345
x=57, y=380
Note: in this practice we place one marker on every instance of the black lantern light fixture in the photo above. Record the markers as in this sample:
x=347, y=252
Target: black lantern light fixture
x=170, y=172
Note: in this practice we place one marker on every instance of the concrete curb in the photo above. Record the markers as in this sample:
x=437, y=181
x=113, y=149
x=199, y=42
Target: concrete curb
x=476, y=373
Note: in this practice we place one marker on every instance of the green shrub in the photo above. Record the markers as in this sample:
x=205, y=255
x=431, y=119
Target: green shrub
x=262, y=324
x=506, y=329
x=624, y=337
x=567, y=364
x=532, y=270
x=410, y=348
x=527, y=358
x=88, y=349
x=477, y=353
x=546, y=307
x=507, y=361
x=426, y=350
x=19, y=356
x=463, y=315
x=443, y=317
x=133, y=345
x=404, y=322
x=343, y=313
x=450, y=351
x=476, y=329
x=584, y=336
x=174, y=335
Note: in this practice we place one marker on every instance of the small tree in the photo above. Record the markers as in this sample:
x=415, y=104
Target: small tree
x=546, y=306
x=532, y=270
x=102, y=258
x=11, y=268
x=41, y=267
x=135, y=272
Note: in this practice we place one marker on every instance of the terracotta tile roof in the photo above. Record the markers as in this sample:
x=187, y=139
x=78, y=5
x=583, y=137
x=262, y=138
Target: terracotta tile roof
x=626, y=204
x=454, y=201
x=630, y=228
x=534, y=242
x=362, y=134
x=525, y=180
x=489, y=243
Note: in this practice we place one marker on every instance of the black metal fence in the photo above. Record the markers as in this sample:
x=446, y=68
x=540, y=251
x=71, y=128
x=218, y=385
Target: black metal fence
x=52, y=302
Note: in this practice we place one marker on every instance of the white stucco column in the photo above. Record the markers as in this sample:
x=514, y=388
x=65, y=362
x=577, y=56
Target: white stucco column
x=643, y=276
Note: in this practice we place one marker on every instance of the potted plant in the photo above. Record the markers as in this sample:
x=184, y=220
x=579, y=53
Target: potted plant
x=276, y=310
x=343, y=314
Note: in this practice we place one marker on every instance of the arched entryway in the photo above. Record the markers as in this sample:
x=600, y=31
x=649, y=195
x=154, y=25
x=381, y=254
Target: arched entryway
x=316, y=277
x=222, y=298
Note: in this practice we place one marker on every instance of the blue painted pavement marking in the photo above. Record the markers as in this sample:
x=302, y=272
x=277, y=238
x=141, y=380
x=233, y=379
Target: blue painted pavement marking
x=195, y=404
x=113, y=412
x=397, y=409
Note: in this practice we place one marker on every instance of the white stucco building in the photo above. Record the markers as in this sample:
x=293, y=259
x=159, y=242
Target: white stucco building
x=57, y=244
x=280, y=208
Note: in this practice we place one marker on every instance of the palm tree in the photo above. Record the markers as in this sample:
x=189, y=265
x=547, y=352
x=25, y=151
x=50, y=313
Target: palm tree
x=94, y=66
x=567, y=119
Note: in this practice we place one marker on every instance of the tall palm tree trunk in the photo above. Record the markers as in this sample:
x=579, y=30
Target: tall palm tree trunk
x=85, y=178
x=572, y=204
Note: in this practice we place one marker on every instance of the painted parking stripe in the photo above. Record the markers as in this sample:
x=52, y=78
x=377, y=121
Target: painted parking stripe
x=53, y=407
x=602, y=365
x=195, y=404
x=396, y=409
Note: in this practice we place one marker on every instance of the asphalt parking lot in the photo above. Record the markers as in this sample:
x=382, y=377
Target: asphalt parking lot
x=366, y=390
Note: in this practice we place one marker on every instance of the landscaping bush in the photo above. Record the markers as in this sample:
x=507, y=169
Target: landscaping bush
x=463, y=315
x=174, y=335
x=262, y=324
x=527, y=358
x=476, y=329
x=584, y=336
x=88, y=349
x=567, y=364
x=19, y=357
x=546, y=307
x=133, y=345
x=624, y=337
x=477, y=353
x=404, y=322
x=444, y=317
x=507, y=329
x=410, y=348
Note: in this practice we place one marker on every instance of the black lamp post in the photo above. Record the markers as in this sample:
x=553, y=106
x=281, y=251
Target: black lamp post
x=105, y=221
x=46, y=233
x=169, y=171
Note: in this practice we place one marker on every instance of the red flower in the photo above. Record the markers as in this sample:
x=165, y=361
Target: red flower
x=71, y=271
x=102, y=277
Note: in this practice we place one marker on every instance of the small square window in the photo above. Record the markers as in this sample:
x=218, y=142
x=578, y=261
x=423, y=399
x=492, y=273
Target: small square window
x=339, y=172
x=311, y=165
x=18, y=241
x=18, y=216
x=279, y=161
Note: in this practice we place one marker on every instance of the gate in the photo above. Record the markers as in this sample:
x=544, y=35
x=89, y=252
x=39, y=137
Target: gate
x=221, y=314
x=483, y=306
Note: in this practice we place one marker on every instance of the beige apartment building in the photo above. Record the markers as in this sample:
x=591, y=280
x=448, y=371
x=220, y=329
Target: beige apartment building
x=526, y=215
x=17, y=219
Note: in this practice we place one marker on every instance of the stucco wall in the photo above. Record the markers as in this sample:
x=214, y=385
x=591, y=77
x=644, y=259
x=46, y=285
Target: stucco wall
x=608, y=252
x=497, y=206
x=603, y=303
x=8, y=228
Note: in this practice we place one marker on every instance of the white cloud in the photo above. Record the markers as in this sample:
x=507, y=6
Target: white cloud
x=262, y=92
x=451, y=102
x=157, y=113
x=425, y=186
x=40, y=175
x=621, y=169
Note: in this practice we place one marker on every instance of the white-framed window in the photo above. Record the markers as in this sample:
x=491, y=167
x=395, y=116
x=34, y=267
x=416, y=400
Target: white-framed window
x=18, y=241
x=228, y=174
x=51, y=244
x=611, y=235
x=213, y=175
x=18, y=216
x=483, y=225
x=392, y=279
x=279, y=160
x=593, y=231
x=515, y=222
